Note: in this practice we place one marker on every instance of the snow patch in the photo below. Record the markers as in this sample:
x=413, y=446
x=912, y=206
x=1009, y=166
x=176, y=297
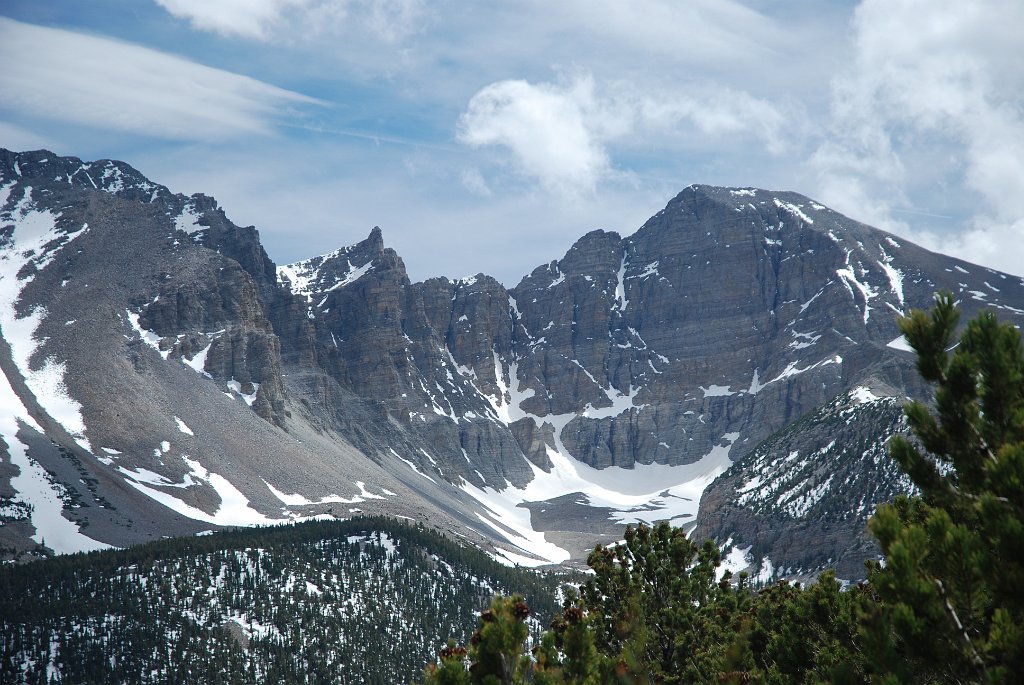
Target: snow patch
x=900, y=343
x=412, y=466
x=895, y=275
x=297, y=500
x=234, y=508
x=765, y=572
x=33, y=486
x=198, y=361
x=645, y=493
x=620, y=286
x=735, y=561
x=35, y=241
x=306, y=278
x=849, y=276
x=863, y=395
x=236, y=388
x=795, y=210
x=188, y=220
x=148, y=337
x=755, y=383
x=649, y=270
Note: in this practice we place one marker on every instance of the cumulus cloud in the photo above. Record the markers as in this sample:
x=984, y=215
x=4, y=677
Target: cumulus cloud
x=292, y=20
x=560, y=133
x=940, y=76
x=118, y=86
x=992, y=243
x=553, y=132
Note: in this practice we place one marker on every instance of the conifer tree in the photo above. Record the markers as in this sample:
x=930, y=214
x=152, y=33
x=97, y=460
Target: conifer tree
x=497, y=651
x=952, y=586
x=567, y=652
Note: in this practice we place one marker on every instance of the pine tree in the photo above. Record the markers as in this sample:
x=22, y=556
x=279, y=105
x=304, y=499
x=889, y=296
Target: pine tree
x=497, y=652
x=661, y=608
x=952, y=586
x=567, y=652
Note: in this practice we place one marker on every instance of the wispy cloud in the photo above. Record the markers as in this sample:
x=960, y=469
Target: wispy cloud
x=113, y=85
x=932, y=107
x=560, y=133
x=244, y=18
x=473, y=181
x=290, y=20
x=701, y=31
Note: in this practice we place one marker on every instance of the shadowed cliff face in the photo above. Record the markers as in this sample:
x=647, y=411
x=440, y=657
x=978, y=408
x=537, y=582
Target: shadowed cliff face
x=657, y=357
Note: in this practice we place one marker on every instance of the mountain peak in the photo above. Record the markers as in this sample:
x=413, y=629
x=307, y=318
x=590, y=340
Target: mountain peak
x=335, y=269
x=666, y=354
x=43, y=168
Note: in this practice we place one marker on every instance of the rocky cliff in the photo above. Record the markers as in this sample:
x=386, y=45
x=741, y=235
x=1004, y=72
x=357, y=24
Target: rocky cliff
x=610, y=386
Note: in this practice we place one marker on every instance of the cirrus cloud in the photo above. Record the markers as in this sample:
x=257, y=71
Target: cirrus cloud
x=142, y=91
x=291, y=20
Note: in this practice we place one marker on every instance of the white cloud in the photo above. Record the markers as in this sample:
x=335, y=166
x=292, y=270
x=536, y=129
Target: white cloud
x=716, y=111
x=991, y=243
x=297, y=20
x=113, y=85
x=933, y=105
x=552, y=131
x=701, y=31
x=245, y=18
x=560, y=133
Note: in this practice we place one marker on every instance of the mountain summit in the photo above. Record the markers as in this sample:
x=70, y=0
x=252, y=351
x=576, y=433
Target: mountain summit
x=163, y=376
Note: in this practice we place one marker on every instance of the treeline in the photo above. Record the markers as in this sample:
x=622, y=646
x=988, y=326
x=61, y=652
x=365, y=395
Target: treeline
x=947, y=606
x=359, y=601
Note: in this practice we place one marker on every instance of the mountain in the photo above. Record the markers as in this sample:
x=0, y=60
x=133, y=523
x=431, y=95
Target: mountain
x=165, y=377
x=359, y=601
x=799, y=502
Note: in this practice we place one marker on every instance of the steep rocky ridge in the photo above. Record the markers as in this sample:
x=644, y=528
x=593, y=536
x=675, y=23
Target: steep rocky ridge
x=610, y=386
x=799, y=502
x=145, y=387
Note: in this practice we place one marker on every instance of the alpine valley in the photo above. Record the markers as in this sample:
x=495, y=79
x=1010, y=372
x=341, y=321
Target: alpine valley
x=733, y=366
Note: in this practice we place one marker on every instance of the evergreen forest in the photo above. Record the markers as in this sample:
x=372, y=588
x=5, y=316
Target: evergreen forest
x=360, y=601
x=373, y=600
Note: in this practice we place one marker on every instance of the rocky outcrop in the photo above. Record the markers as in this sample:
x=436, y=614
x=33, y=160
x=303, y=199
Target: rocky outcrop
x=726, y=318
x=800, y=501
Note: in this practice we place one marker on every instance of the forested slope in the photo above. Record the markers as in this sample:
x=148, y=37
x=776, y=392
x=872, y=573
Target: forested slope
x=359, y=601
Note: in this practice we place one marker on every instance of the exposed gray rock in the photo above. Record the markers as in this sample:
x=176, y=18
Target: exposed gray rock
x=800, y=501
x=324, y=385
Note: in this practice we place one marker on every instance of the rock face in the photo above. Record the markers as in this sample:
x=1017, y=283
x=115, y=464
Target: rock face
x=607, y=387
x=801, y=499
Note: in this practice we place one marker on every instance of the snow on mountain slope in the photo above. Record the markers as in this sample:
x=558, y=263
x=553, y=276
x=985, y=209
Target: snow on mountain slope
x=379, y=596
x=801, y=499
x=610, y=386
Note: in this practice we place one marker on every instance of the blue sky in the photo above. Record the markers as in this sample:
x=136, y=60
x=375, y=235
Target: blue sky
x=488, y=136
